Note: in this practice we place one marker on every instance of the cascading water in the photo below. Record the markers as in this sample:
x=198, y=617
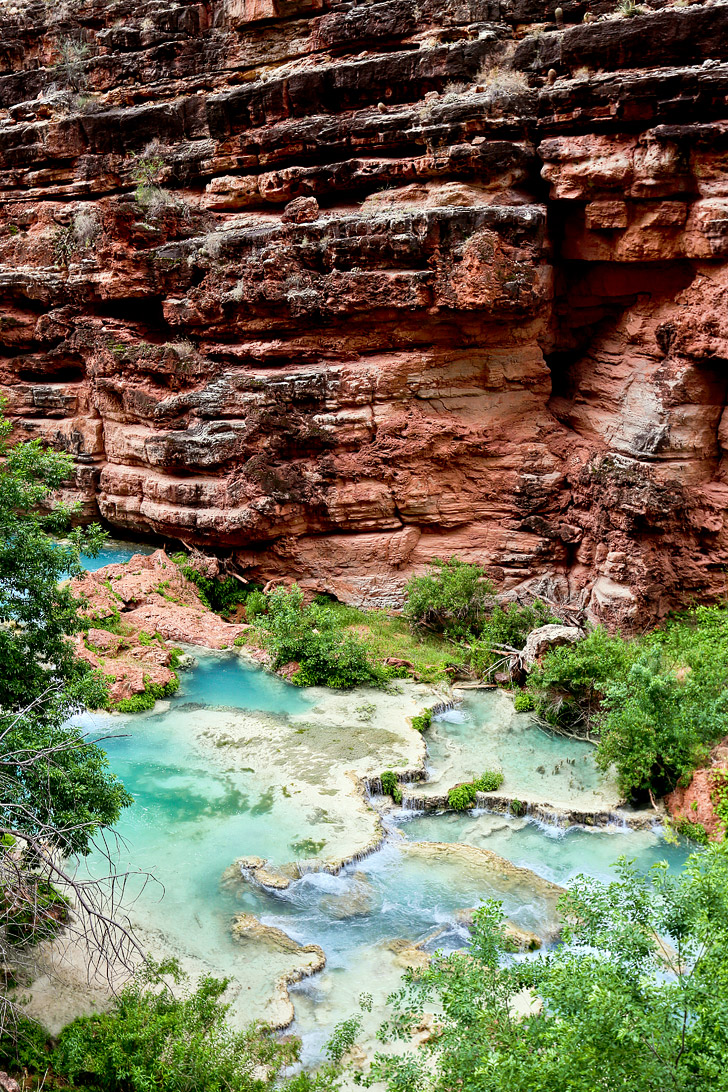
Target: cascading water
x=241, y=763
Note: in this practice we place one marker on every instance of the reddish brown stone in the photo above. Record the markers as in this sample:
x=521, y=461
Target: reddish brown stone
x=387, y=292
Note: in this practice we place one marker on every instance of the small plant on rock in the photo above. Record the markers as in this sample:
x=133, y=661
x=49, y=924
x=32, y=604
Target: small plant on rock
x=524, y=702
x=390, y=786
x=461, y=797
x=490, y=781
x=422, y=721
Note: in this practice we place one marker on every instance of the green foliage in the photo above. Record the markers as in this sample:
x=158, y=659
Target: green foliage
x=422, y=721
x=139, y=703
x=345, y=1034
x=220, y=594
x=569, y=685
x=453, y=598
x=506, y=626
x=696, y=832
x=461, y=797
x=518, y=808
x=390, y=786
x=255, y=605
x=719, y=796
x=524, y=702
x=145, y=638
x=156, y=1039
x=312, y=637
x=175, y=655
x=618, y=1009
x=490, y=781
x=26, y=1048
x=658, y=702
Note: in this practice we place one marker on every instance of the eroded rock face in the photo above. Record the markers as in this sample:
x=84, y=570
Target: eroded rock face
x=147, y=601
x=342, y=288
x=698, y=801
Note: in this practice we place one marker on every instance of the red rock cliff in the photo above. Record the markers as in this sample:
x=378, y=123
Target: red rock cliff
x=493, y=321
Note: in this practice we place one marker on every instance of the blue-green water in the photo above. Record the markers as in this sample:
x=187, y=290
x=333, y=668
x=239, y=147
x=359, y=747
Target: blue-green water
x=556, y=853
x=115, y=552
x=192, y=817
x=226, y=680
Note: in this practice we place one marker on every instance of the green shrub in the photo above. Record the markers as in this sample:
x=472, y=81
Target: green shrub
x=518, y=808
x=461, y=797
x=145, y=638
x=524, y=702
x=175, y=655
x=139, y=703
x=313, y=637
x=153, y=1039
x=220, y=594
x=423, y=721
x=490, y=781
x=24, y=1046
x=453, y=597
x=719, y=796
x=390, y=786
x=255, y=605
x=569, y=685
x=509, y=626
x=696, y=832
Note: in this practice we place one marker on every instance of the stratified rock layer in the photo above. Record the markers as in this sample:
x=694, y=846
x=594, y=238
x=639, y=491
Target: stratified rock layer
x=342, y=287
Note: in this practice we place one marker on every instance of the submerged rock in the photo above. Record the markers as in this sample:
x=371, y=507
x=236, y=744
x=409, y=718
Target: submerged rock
x=260, y=872
x=518, y=939
x=309, y=959
x=497, y=876
x=357, y=901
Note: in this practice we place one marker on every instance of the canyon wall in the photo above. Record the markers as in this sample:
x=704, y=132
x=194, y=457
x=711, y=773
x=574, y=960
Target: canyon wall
x=342, y=287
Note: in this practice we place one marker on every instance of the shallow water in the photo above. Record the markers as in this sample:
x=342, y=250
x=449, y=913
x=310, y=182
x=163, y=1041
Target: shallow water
x=114, y=552
x=556, y=853
x=484, y=732
x=199, y=806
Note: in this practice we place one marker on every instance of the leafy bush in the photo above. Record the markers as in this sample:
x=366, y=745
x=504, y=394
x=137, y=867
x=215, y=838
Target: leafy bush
x=255, y=605
x=220, y=594
x=569, y=685
x=490, y=781
x=312, y=637
x=25, y=1047
x=390, y=786
x=40, y=915
x=461, y=797
x=696, y=832
x=524, y=702
x=139, y=703
x=153, y=1039
x=518, y=808
x=617, y=1009
x=657, y=702
x=506, y=626
x=422, y=721
x=453, y=598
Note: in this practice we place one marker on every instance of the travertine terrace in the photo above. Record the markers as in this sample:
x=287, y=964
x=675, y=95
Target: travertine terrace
x=492, y=322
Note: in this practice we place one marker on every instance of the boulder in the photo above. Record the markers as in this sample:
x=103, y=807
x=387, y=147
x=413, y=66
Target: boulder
x=546, y=637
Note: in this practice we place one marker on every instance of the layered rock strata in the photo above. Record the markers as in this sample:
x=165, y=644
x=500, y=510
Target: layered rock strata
x=343, y=287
